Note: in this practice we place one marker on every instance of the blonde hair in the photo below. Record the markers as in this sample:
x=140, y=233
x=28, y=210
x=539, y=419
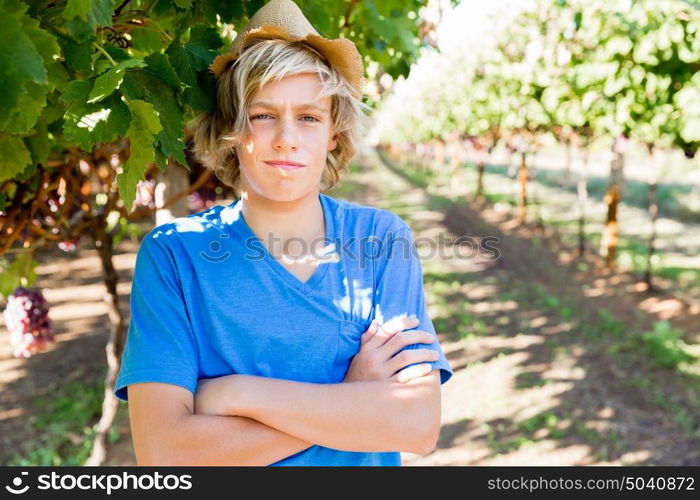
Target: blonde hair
x=215, y=133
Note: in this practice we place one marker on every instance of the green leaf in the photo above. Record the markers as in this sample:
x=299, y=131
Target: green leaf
x=117, y=53
x=76, y=90
x=183, y=4
x=78, y=8
x=39, y=143
x=160, y=66
x=252, y=6
x=229, y=12
x=82, y=29
x=24, y=264
x=19, y=273
x=97, y=12
x=144, y=125
x=180, y=24
x=45, y=44
x=191, y=63
x=58, y=76
x=109, y=81
x=88, y=124
x=14, y=156
x=146, y=86
x=161, y=160
x=203, y=44
x=102, y=11
x=317, y=15
x=16, y=46
x=77, y=55
x=146, y=40
x=28, y=110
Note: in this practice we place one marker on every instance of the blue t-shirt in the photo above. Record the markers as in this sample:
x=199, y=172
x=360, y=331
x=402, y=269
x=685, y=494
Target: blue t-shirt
x=208, y=300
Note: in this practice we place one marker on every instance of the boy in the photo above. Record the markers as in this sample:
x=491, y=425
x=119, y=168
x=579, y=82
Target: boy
x=236, y=356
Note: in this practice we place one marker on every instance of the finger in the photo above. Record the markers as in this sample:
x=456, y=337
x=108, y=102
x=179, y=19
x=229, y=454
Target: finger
x=401, y=323
x=410, y=357
x=401, y=340
x=371, y=332
x=390, y=328
x=413, y=372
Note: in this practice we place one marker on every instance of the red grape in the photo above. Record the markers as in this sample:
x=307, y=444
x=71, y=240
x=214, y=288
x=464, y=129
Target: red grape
x=27, y=318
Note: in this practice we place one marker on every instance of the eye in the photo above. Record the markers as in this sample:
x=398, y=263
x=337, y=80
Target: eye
x=313, y=118
x=256, y=117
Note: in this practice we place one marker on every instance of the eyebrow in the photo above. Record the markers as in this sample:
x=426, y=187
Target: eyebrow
x=305, y=105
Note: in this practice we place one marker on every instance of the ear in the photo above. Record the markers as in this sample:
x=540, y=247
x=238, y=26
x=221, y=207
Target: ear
x=333, y=143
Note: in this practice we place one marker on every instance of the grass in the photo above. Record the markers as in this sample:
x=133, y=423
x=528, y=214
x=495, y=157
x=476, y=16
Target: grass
x=542, y=299
x=528, y=380
x=557, y=209
x=650, y=362
x=683, y=275
x=673, y=197
x=498, y=445
x=641, y=353
x=63, y=426
x=665, y=346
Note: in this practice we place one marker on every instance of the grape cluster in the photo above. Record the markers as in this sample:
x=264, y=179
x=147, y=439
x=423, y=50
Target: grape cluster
x=27, y=319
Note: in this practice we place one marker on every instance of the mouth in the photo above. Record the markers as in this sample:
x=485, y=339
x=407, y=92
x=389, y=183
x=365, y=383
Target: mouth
x=285, y=165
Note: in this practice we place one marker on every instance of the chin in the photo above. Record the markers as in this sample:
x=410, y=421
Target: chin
x=286, y=193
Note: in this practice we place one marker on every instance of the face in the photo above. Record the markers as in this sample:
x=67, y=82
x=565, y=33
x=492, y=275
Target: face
x=289, y=123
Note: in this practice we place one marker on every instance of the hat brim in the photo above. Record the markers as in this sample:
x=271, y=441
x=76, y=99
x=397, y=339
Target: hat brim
x=340, y=53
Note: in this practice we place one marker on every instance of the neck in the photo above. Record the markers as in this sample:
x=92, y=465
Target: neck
x=283, y=220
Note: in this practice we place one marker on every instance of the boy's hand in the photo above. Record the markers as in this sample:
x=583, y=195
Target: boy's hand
x=378, y=358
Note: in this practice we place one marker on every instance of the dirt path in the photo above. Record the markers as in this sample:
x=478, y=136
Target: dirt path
x=539, y=375
x=534, y=382
x=73, y=286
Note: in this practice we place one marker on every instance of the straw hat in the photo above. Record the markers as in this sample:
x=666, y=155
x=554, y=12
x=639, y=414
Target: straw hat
x=283, y=19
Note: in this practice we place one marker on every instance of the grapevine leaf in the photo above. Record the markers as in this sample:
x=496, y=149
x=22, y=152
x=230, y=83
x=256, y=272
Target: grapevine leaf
x=81, y=31
x=77, y=55
x=183, y=4
x=144, y=125
x=39, y=143
x=102, y=10
x=88, y=124
x=46, y=46
x=24, y=264
x=93, y=12
x=161, y=160
x=109, y=81
x=78, y=8
x=146, y=86
x=229, y=12
x=100, y=14
x=318, y=16
x=146, y=40
x=14, y=156
x=9, y=278
x=29, y=109
x=58, y=76
x=252, y=6
x=159, y=65
x=191, y=62
x=17, y=46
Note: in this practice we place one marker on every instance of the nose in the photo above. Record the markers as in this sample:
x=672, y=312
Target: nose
x=285, y=135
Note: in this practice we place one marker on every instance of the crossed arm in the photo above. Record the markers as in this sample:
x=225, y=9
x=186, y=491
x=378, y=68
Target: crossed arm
x=240, y=419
